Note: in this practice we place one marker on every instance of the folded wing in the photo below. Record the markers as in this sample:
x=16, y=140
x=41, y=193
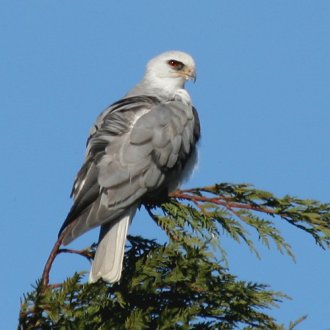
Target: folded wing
x=138, y=146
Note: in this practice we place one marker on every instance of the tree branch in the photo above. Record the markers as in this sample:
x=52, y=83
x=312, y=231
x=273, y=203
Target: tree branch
x=181, y=194
x=54, y=252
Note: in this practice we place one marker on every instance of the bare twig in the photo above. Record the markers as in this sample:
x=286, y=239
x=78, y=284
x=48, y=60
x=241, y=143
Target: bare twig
x=84, y=253
x=54, y=252
x=221, y=201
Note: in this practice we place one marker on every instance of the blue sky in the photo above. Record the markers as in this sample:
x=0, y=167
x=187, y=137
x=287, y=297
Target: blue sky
x=263, y=95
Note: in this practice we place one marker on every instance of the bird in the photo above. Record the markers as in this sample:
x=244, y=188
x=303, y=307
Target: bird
x=140, y=147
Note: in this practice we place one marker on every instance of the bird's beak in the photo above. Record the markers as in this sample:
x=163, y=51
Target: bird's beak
x=187, y=74
x=190, y=74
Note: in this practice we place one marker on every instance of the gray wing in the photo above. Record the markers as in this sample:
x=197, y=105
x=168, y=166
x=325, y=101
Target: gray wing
x=137, y=146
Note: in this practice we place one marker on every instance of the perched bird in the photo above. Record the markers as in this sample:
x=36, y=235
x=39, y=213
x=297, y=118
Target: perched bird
x=140, y=147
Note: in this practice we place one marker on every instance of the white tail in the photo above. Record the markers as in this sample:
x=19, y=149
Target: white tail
x=108, y=260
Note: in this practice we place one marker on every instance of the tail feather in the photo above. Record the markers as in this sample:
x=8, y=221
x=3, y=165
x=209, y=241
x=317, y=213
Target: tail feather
x=108, y=260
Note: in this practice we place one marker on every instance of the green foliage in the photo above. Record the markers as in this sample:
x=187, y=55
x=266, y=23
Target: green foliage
x=182, y=284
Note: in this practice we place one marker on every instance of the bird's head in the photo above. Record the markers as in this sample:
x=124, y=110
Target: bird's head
x=170, y=70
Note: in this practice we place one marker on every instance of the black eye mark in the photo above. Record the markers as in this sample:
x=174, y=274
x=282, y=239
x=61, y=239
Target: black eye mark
x=176, y=65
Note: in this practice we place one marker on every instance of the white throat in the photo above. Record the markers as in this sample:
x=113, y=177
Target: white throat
x=167, y=87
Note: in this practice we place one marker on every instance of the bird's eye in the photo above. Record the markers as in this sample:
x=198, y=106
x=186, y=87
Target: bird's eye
x=176, y=65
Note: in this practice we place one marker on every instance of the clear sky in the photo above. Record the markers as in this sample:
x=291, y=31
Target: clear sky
x=263, y=95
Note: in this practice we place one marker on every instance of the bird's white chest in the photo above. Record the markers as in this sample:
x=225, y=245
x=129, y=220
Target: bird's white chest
x=183, y=96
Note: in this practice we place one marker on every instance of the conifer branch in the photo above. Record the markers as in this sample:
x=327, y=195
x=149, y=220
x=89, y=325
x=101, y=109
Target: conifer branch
x=182, y=283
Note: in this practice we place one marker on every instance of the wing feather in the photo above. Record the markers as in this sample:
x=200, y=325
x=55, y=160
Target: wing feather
x=136, y=147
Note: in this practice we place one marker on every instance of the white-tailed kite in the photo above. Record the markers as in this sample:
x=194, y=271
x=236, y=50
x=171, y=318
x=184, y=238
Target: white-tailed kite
x=140, y=147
